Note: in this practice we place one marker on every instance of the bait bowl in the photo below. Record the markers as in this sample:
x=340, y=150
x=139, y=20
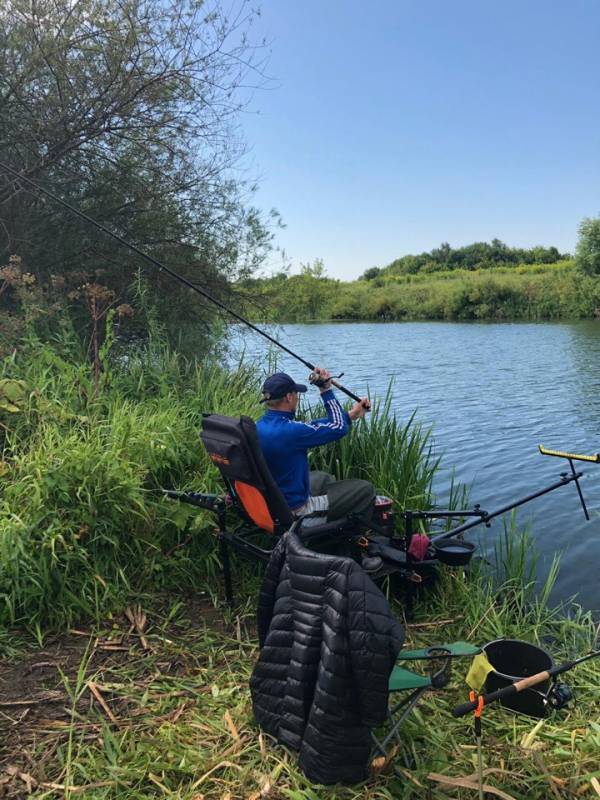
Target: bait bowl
x=512, y=660
x=453, y=552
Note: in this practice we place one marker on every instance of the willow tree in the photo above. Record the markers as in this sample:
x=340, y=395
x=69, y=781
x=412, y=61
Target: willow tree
x=129, y=109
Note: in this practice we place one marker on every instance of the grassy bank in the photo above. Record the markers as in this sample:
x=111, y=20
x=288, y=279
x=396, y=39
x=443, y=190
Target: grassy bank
x=82, y=520
x=522, y=292
x=169, y=715
x=138, y=685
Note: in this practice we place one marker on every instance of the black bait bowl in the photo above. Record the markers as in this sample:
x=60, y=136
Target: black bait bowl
x=512, y=660
x=453, y=552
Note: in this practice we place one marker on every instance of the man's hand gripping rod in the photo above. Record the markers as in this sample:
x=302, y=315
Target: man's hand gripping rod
x=316, y=380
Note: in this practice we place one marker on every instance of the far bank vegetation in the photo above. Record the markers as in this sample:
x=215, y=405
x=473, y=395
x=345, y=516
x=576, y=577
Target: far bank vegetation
x=482, y=281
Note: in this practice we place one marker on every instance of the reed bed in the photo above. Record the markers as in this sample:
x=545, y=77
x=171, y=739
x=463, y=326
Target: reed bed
x=396, y=456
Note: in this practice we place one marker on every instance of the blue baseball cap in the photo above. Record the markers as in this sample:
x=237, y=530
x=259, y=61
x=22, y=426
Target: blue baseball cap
x=278, y=385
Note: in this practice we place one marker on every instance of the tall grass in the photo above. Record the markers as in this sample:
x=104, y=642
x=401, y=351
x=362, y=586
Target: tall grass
x=396, y=456
x=82, y=520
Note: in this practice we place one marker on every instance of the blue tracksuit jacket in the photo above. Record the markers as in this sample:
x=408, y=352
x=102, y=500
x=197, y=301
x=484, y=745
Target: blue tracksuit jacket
x=285, y=441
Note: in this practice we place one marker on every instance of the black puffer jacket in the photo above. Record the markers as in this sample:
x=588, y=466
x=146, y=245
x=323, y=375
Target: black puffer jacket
x=328, y=644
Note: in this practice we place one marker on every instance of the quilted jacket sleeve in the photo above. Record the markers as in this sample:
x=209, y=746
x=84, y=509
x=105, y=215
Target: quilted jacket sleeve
x=268, y=590
x=375, y=641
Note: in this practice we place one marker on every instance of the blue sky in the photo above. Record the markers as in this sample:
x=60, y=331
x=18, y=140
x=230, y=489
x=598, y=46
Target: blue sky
x=390, y=127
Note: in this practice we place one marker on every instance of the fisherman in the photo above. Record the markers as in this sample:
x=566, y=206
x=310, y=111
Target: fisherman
x=285, y=441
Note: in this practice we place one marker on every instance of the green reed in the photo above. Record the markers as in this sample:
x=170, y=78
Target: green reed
x=396, y=455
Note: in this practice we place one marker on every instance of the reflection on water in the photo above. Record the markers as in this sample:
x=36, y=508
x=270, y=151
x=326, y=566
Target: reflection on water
x=585, y=356
x=492, y=393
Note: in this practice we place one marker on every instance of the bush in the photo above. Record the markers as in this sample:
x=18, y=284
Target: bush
x=587, y=255
x=82, y=519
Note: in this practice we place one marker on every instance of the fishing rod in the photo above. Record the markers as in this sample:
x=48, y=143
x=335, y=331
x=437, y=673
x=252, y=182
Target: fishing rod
x=162, y=267
x=520, y=685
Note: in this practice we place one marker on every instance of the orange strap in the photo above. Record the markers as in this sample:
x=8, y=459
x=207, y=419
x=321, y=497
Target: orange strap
x=480, y=702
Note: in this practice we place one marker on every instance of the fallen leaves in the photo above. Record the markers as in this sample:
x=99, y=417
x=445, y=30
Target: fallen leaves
x=137, y=616
x=30, y=782
x=220, y=765
x=469, y=782
x=25, y=777
x=97, y=694
x=44, y=697
x=380, y=764
x=262, y=746
x=232, y=728
x=528, y=739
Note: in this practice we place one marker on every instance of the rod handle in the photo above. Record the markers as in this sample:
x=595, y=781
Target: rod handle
x=545, y=451
x=506, y=691
x=464, y=708
x=316, y=380
x=350, y=394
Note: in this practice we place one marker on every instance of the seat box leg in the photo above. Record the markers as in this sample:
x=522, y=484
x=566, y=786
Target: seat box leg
x=224, y=554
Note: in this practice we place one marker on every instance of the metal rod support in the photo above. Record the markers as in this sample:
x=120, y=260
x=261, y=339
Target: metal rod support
x=579, y=492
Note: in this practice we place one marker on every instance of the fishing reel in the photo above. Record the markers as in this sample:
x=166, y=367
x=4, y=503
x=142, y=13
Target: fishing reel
x=316, y=380
x=441, y=666
x=559, y=696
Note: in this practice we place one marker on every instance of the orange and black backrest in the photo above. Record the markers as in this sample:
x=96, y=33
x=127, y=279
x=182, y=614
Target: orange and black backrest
x=232, y=444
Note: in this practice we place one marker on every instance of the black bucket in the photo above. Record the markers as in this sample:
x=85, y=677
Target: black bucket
x=453, y=552
x=513, y=660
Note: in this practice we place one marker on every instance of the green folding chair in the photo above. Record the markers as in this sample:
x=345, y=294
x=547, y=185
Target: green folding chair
x=405, y=680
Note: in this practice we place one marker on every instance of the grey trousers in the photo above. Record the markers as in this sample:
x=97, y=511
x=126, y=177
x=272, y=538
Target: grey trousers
x=352, y=496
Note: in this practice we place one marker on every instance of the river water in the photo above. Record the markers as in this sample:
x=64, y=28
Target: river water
x=492, y=393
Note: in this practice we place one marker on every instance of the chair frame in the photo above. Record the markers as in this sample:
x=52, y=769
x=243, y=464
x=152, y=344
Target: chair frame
x=240, y=537
x=417, y=685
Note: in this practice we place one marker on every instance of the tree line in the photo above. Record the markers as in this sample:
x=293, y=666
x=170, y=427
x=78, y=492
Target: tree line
x=479, y=255
x=558, y=287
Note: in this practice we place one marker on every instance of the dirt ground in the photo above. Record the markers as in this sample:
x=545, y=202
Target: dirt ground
x=46, y=690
